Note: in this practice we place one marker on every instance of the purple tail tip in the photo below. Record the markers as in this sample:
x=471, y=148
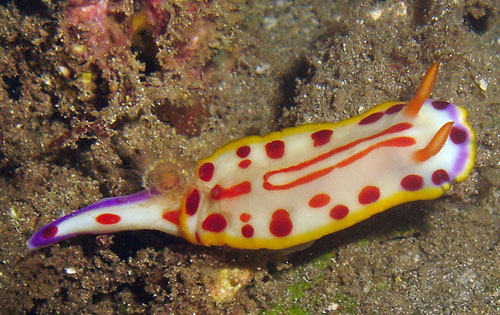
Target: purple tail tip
x=46, y=236
x=49, y=233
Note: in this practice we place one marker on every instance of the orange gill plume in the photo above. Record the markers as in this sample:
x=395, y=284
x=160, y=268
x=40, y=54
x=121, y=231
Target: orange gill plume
x=167, y=176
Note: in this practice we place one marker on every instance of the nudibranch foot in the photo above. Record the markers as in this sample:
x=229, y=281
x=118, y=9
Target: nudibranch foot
x=147, y=209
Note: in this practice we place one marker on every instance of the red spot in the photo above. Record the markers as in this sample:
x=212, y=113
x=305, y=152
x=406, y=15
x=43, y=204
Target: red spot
x=245, y=217
x=49, y=232
x=245, y=163
x=281, y=225
x=214, y=223
x=440, y=176
x=247, y=230
x=172, y=216
x=275, y=149
x=192, y=202
x=206, y=171
x=217, y=192
x=339, y=212
x=412, y=182
x=371, y=118
x=394, y=109
x=321, y=137
x=319, y=200
x=108, y=218
x=197, y=237
x=458, y=135
x=368, y=195
x=243, y=151
x=440, y=105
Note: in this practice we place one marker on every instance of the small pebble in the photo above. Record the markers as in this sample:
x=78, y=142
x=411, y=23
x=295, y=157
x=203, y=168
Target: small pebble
x=483, y=84
x=376, y=14
x=269, y=23
x=64, y=71
x=262, y=68
x=70, y=270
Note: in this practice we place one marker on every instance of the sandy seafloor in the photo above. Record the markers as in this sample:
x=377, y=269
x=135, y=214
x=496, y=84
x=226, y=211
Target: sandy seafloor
x=82, y=120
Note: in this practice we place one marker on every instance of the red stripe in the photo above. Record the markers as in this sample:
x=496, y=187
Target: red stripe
x=393, y=129
x=218, y=193
x=393, y=142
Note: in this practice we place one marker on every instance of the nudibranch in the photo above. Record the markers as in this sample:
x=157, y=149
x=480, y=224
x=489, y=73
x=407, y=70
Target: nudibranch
x=294, y=186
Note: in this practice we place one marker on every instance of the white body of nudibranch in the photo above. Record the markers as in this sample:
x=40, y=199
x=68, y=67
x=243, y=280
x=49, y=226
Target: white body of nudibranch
x=297, y=185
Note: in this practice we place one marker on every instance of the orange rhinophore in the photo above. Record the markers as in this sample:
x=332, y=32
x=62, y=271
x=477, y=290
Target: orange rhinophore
x=436, y=144
x=424, y=91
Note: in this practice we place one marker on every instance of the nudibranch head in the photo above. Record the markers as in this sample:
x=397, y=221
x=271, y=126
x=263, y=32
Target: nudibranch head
x=296, y=185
